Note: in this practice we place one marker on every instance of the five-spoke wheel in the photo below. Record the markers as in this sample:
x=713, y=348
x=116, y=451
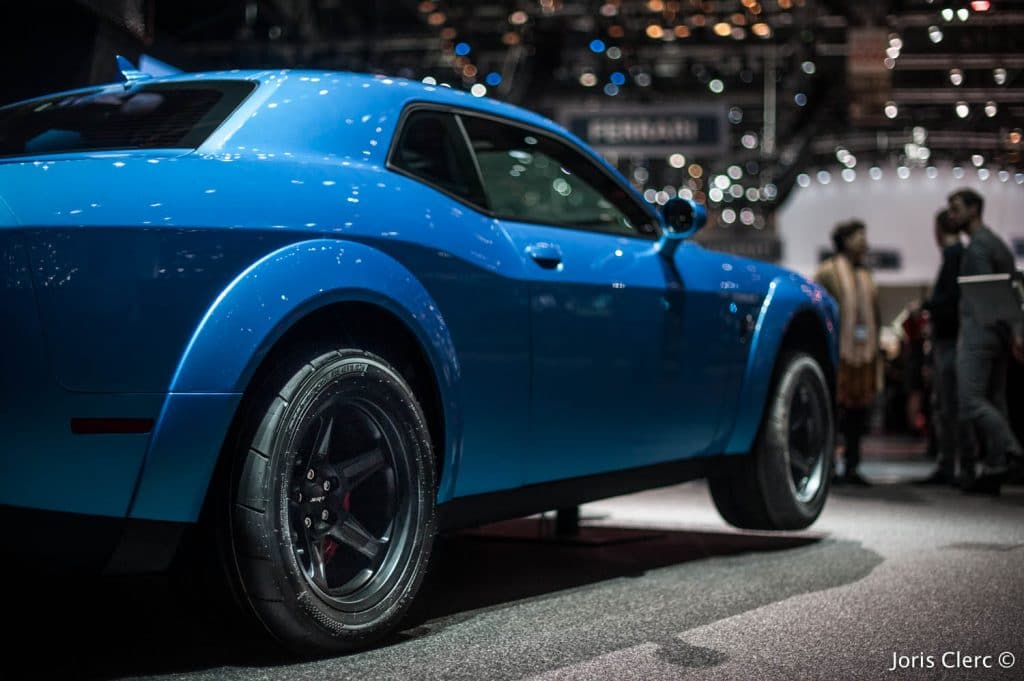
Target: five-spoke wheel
x=333, y=502
x=783, y=483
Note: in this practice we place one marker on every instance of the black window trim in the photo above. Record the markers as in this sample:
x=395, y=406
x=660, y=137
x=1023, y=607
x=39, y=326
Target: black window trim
x=457, y=112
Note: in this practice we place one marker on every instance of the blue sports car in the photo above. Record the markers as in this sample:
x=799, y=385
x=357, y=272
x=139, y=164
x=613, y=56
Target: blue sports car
x=319, y=317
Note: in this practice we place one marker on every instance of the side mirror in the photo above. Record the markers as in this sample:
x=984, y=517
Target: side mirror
x=683, y=218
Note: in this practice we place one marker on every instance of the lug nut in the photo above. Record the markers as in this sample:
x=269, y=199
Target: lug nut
x=307, y=521
x=327, y=485
x=311, y=474
x=325, y=515
x=299, y=498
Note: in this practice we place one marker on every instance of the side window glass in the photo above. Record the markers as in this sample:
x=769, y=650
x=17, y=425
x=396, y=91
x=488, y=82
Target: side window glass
x=532, y=178
x=431, y=148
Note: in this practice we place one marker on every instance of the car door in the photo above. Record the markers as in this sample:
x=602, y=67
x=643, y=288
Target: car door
x=620, y=374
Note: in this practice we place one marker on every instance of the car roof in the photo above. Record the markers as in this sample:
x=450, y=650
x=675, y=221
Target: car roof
x=400, y=89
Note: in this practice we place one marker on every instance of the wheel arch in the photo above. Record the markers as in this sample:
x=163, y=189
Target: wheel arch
x=795, y=315
x=294, y=293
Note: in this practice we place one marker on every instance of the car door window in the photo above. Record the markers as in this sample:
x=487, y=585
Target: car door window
x=431, y=148
x=529, y=177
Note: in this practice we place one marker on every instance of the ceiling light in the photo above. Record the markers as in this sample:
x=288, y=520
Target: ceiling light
x=935, y=34
x=991, y=109
x=956, y=76
x=891, y=110
x=722, y=29
x=962, y=110
x=999, y=76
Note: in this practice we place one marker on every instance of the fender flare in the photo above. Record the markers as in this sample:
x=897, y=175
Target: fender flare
x=238, y=331
x=788, y=295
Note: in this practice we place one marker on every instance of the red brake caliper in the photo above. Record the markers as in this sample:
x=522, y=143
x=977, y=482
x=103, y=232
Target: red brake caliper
x=330, y=546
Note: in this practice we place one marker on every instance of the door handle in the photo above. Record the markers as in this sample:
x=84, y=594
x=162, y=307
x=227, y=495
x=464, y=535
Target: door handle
x=547, y=255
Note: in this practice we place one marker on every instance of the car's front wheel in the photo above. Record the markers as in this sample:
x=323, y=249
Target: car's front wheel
x=332, y=501
x=783, y=483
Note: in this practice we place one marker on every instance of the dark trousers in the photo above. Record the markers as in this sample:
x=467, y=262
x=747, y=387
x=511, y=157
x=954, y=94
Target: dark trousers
x=853, y=423
x=981, y=367
x=944, y=385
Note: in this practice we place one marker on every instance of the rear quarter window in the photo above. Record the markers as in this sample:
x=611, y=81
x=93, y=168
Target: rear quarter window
x=145, y=116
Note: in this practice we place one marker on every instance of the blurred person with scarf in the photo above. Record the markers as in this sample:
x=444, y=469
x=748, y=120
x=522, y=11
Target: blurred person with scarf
x=847, y=278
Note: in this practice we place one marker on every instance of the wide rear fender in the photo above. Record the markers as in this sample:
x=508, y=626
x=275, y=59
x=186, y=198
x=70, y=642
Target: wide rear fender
x=238, y=331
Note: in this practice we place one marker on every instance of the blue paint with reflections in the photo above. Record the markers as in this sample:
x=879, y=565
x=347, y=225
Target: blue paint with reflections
x=151, y=284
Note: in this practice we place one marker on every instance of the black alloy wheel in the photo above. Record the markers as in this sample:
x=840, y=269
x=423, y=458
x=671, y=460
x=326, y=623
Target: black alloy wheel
x=332, y=519
x=783, y=483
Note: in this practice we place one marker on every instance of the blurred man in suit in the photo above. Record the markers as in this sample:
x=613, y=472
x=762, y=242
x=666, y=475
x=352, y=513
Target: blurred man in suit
x=983, y=353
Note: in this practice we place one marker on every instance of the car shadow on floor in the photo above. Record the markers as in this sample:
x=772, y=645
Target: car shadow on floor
x=520, y=559
x=115, y=627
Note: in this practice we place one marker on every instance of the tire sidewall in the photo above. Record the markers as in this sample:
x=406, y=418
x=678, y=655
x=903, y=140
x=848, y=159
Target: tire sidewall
x=306, y=619
x=785, y=509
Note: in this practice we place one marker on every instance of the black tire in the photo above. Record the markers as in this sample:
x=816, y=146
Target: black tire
x=332, y=498
x=783, y=483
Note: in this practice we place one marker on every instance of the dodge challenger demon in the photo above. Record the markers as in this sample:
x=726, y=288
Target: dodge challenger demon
x=330, y=315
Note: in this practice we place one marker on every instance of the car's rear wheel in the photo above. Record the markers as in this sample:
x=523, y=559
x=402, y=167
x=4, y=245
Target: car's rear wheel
x=332, y=513
x=783, y=483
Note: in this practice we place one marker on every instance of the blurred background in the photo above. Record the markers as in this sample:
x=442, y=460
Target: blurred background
x=783, y=116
